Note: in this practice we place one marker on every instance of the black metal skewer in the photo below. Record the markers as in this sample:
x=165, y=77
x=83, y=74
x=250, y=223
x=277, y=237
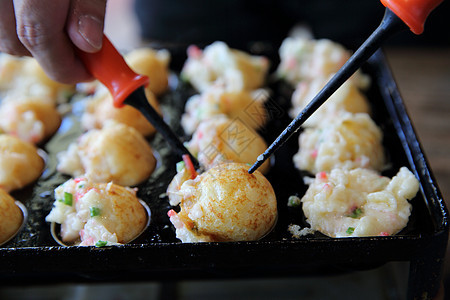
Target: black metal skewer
x=390, y=25
x=138, y=100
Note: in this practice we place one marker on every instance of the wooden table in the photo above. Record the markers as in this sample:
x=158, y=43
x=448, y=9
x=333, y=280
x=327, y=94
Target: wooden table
x=423, y=78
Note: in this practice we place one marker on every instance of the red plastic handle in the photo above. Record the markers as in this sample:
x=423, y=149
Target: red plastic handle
x=413, y=12
x=110, y=68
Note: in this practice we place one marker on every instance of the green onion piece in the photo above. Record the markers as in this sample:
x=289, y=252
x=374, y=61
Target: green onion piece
x=66, y=94
x=180, y=166
x=356, y=213
x=350, y=230
x=184, y=77
x=95, y=211
x=68, y=199
x=294, y=201
x=101, y=244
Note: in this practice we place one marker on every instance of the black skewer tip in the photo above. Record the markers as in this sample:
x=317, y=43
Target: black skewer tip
x=138, y=100
x=259, y=161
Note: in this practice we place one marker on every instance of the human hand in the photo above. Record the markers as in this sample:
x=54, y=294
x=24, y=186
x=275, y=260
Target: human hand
x=51, y=31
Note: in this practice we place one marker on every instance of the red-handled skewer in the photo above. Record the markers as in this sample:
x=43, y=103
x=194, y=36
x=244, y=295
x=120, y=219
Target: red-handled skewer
x=413, y=13
x=127, y=87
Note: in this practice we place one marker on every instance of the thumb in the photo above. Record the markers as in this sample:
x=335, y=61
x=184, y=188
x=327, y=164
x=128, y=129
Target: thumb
x=85, y=24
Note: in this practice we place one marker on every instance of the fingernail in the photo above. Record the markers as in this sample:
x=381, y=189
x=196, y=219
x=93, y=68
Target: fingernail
x=91, y=29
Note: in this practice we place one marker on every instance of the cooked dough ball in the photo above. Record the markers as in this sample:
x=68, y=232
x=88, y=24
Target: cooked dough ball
x=24, y=76
x=218, y=64
x=11, y=216
x=31, y=118
x=226, y=203
x=359, y=202
x=101, y=110
x=152, y=63
x=116, y=153
x=347, y=98
x=247, y=106
x=220, y=139
x=348, y=141
x=10, y=67
x=305, y=59
x=97, y=212
x=20, y=163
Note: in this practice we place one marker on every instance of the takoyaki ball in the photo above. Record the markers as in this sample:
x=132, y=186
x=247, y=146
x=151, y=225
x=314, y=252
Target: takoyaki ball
x=100, y=110
x=347, y=98
x=24, y=76
x=218, y=64
x=116, y=153
x=20, y=163
x=245, y=105
x=31, y=118
x=303, y=59
x=10, y=68
x=359, y=202
x=97, y=213
x=57, y=90
x=220, y=139
x=349, y=141
x=11, y=216
x=225, y=203
x=152, y=63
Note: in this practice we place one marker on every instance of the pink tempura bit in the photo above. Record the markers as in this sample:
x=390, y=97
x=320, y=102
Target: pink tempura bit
x=171, y=213
x=35, y=138
x=327, y=187
x=194, y=52
x=85, y=239
x=291, y=62
x=79, y=179
x=189, y=166
x=322, y=176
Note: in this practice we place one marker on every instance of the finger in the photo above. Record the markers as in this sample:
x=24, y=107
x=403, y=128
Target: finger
x=9, y=42
x=41, y=27
x=85, y=24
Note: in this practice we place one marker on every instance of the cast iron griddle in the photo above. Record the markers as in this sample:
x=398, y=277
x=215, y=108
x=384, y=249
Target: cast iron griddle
x=34, y=257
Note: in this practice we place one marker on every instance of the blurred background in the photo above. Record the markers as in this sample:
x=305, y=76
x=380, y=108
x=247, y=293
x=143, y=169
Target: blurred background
x=420, y=65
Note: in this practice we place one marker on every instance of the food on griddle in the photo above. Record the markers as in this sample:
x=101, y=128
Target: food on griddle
x=152, y=63
x=97, y=214
x=347, y=98
x=359, y=202
x=116, y=153
x=221, y=139
x=218, y=64
x=11, y=216
x=245, y=105
x=225, y=203
x=20, y=163
x=23, y=76
x=31, y=118
x=304, y=59
x=346, y=141
x=99, y=110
